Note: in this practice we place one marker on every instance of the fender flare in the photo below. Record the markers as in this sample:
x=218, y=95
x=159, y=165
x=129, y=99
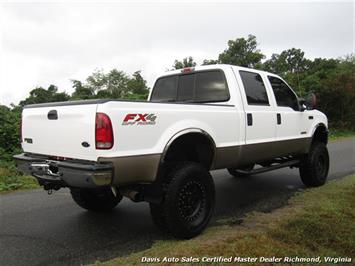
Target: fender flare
x=185, y=132
x=315, y=129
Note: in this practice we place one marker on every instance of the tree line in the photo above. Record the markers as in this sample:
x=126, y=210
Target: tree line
x=332, y=80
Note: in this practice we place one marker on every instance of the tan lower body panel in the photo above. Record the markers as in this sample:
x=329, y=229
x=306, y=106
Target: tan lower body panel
x=236, y=156
x=144, y=168
x=134, y=169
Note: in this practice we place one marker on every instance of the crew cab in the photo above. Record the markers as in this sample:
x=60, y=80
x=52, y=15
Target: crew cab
x=162, y=150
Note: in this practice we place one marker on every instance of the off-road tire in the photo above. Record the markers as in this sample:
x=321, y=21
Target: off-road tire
x=189, y=197
x=314, y=166
x=98, y=200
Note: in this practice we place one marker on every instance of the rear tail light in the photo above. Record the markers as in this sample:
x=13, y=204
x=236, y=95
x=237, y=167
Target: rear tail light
x=103, y=132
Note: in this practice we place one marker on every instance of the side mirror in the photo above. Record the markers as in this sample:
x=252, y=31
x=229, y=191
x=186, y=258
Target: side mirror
x=309, y=103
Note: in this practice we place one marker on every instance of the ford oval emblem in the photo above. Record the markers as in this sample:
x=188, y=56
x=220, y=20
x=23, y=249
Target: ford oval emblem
x=85, y=144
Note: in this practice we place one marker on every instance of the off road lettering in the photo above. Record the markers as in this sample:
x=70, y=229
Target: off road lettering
x=139, y=119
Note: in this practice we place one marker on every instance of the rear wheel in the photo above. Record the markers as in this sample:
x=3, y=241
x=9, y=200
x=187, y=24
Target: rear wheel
x=241, y=172
x=315, y=165
x=188, y=202
x=101, y=199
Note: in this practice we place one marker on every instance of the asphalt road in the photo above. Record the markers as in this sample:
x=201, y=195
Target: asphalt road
x=37, y=229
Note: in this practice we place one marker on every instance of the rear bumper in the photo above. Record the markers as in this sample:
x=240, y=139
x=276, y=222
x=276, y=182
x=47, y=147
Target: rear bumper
x=64, y=173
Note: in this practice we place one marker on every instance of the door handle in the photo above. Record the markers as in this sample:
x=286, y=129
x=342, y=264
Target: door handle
x=249, y=119
x=52, y=115
x=278, y=119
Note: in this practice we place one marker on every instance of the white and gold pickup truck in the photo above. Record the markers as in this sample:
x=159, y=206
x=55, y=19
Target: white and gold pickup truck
x=161, y=150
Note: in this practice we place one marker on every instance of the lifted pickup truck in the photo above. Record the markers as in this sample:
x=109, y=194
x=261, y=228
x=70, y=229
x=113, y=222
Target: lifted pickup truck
x=161, y=151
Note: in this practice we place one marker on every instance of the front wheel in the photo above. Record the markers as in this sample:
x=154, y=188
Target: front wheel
x=188, y=201
x=315, y=165
x=98, y=200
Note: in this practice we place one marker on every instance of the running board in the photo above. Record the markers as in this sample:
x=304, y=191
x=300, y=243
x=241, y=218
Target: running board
x=266, y=169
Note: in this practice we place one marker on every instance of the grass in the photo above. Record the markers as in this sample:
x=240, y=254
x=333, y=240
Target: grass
x=317, y=223
x=337, y=134
x=11, y=179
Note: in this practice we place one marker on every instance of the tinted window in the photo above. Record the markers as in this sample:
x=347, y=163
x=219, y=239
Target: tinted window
x=254, y=88
x=283, y=94
x=211, y=86
x=204, y=86
x=186, y=87
x=165, y=89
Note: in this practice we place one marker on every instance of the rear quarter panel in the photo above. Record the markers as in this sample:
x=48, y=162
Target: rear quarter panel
x=222, y=123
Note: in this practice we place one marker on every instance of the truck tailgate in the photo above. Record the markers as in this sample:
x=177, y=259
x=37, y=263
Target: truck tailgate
x=65, y=131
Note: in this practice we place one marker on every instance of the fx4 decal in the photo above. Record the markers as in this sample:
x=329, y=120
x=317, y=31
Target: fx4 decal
x=139, y=119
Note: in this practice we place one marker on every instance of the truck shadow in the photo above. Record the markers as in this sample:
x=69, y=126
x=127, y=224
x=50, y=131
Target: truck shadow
x=129, y=227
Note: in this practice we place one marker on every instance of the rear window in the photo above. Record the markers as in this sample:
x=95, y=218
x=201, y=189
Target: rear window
x=186, y=87
x=254, y=88
x=202, y=86
x=165, y=89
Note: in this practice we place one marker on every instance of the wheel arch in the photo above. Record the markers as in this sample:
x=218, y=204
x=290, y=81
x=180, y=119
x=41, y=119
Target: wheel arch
x=320, y=133
x=190, y=142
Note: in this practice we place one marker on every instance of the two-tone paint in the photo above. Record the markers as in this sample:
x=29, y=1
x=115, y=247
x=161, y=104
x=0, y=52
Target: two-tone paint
x=143, y=131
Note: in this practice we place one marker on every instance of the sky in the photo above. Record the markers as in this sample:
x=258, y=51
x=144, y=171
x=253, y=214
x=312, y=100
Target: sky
x=53, y=43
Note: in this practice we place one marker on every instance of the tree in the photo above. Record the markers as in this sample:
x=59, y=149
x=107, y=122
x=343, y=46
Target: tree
x=289, y=61
x=276, y=64
x=333, y=81
x=322, y=66
x=137, y=85
x=291, y=65
x=242, y=52
x=209, y=62
x=186, y=62
x=96, y=81
x=295, y=60
x=115, y=84
x=81, y=91
x=41, y=95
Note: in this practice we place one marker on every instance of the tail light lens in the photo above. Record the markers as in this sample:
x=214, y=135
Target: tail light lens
x=103, y=132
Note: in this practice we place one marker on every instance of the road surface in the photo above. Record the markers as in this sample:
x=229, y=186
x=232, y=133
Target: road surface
x=37, y=229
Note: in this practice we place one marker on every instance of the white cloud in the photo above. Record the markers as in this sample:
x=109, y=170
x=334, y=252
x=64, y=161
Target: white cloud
x=43, y=43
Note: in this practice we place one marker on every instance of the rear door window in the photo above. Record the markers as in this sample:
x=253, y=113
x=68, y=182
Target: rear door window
x=254, y=88
x=211, y=86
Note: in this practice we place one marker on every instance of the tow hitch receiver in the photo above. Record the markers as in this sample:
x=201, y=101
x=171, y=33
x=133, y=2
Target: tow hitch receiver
x=48, y=175
x=48, y=169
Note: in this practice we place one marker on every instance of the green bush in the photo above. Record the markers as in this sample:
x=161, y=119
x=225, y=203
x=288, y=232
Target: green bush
x=11, y=179
x=9, y=132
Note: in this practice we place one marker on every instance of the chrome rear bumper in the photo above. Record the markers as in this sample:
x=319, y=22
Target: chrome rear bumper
x=65, y=173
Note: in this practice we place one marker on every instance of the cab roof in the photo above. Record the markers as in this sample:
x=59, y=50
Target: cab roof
x=215, y=66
